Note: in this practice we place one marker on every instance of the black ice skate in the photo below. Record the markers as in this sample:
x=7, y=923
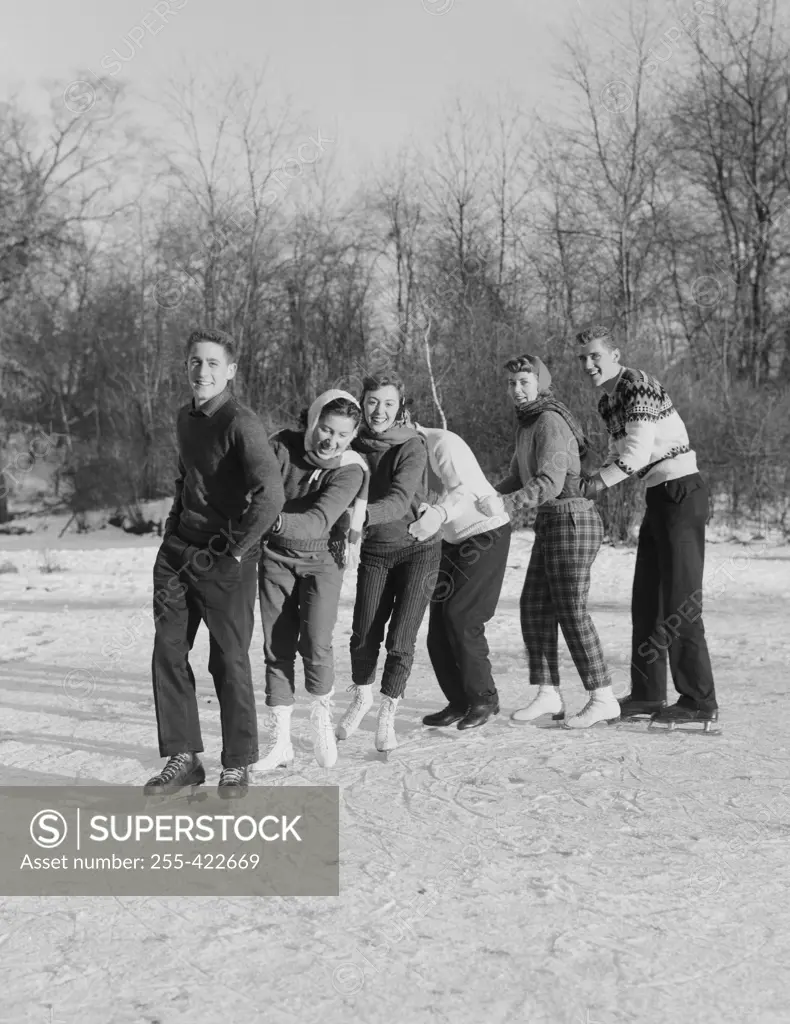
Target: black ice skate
x=181, y=770
x=478, y=715
x=639, y=709
x=233, y=783
x=447, y=716
x=676, y=716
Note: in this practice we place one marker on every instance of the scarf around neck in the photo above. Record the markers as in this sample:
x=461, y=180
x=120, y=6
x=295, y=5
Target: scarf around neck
x=351, y=522
x=546, y=402
x=369, y=441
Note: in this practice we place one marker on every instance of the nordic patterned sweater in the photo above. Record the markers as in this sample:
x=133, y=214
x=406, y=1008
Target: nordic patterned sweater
x=315, y=498
x=647, y=437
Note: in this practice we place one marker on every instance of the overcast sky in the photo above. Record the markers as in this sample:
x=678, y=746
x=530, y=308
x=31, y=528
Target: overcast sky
x=375, y=72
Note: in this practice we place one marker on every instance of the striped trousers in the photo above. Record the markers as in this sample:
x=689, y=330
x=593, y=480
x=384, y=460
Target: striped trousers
x=555, y=594
x=392, y=587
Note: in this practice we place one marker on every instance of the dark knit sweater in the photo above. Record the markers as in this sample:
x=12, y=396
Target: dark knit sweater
x=398, y=485
x=229, y=490
x=315, y=498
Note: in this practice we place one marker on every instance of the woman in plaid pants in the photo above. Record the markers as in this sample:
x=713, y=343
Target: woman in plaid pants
x=545, y=472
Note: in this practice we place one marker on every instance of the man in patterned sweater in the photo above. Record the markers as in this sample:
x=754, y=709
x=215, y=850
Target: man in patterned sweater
x=648, y=440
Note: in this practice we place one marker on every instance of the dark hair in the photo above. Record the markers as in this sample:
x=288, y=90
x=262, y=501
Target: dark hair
x=343, y=407
x=598, y=332
x=218, y=337
x=387, y=378
x=521, y=364
x=338, y=407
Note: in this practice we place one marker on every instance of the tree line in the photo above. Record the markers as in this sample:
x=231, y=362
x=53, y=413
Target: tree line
x=657, y=201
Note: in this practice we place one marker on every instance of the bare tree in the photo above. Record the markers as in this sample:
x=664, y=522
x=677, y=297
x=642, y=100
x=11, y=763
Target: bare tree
x=615, y=159
x=731, y=138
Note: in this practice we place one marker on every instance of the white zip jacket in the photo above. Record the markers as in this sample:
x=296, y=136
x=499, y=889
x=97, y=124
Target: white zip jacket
x=455, y=482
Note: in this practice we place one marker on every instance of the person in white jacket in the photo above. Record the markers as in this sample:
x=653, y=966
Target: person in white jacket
x=469, y=580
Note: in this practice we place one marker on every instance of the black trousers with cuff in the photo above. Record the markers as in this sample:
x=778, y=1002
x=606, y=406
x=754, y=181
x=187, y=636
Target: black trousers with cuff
x=465, y=598
x=193, y=584
x=666, y=601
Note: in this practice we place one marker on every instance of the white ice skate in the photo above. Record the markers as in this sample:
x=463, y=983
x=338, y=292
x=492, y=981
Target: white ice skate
x=547, y=702
x=324, y=745
x=602, y=706
x=357, y=709
x=281, y=754
x=385, y=726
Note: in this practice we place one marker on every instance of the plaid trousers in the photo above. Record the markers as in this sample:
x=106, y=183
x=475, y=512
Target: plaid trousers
x=555, y=593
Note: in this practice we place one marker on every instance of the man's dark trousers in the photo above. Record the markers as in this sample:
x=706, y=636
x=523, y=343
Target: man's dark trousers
x=666, y=602
x=465, y=598
x=193, y=584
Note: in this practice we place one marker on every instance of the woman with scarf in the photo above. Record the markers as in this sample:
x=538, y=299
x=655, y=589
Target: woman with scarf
x=300, y=573
x=397, y=574
x=545, y=472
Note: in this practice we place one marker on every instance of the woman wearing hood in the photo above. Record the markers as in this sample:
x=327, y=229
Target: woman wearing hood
x=545, y=472
x=300, y=574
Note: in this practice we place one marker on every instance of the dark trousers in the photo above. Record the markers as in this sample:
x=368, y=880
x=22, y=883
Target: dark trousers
x=192, y=584
x=666, y=603
x=299, y=601
x=393, y=587
x=464, y=599
x=555, y=594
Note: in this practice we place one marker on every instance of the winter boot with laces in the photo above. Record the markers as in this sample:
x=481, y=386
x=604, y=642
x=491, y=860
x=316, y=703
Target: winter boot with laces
x=281, y=753
x=357, y=709
x=547, y=702
x=385, y=726
x=324, y=746
x=601, y=707
x=181, y=770
x=233, y=783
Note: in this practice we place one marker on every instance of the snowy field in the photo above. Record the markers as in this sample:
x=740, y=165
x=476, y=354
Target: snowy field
x=511, y=874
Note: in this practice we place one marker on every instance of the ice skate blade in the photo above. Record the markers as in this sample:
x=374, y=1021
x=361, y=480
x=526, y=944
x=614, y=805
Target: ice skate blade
x=223, y=792
x=257, y=777
x=546, y=716
x=708, y=728
x=586, y=728
x=188, y=794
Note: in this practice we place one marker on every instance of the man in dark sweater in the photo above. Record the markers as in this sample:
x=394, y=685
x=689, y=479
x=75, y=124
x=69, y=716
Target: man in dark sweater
x=229, y=493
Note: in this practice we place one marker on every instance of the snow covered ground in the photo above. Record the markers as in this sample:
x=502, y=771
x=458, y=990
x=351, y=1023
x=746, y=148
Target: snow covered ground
x=508, y=875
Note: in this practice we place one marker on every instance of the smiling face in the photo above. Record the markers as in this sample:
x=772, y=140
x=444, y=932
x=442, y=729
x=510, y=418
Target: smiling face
x=598, y=362
x=381, y=408
x=522, y=387
x=209, y=370
x=333, y=434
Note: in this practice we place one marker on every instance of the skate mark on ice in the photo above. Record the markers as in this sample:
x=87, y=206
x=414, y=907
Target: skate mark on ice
x=185, y=962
